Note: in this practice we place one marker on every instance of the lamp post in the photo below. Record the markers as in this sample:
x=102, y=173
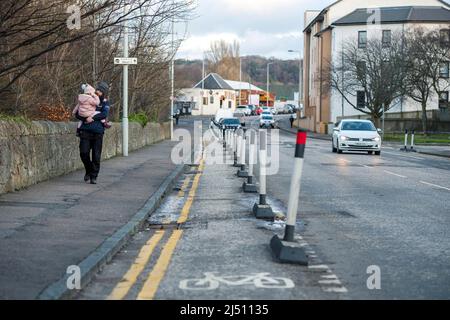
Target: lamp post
x=300, y=84
x=203, y=77
x=268, y=74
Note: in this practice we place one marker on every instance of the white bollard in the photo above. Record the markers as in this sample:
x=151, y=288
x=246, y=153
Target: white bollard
x=262, y=210
x=249, y=186
x=242, y=173
x=288, y=250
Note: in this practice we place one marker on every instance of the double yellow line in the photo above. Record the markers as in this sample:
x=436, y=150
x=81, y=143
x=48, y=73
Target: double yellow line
x=155, y=277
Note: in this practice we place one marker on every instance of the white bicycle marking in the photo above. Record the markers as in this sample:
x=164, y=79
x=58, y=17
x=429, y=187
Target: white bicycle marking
x=211, y=281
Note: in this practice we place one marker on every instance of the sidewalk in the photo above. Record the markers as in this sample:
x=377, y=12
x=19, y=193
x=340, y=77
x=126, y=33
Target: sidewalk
x=433, y=150
x=55, y=224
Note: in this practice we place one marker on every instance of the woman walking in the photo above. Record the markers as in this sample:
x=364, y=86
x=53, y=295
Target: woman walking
x=91, y=134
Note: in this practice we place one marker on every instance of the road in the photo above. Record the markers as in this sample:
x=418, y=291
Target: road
x=356, y=211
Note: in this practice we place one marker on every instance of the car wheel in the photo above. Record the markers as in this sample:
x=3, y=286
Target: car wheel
x=337, y=148
x=370, y=152
x=378, y=153
x=334, y=150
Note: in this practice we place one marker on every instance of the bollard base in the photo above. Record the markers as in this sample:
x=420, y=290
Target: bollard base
x=249, y=187
x=288, y=252
x=263, y=211
x=242, y=173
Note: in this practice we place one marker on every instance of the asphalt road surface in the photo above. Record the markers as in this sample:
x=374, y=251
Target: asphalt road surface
x=388, y=212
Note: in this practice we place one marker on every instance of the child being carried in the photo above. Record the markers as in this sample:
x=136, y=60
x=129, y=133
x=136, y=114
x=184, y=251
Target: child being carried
x=87, y=105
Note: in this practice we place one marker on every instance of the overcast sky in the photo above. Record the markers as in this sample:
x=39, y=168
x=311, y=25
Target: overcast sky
x=263, y=27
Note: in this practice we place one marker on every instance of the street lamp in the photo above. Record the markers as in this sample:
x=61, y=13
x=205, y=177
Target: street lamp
x=268, y=73
x=300, y=84
x=203, y=77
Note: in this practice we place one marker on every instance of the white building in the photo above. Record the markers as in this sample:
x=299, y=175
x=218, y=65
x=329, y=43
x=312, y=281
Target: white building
x=209, y=95
x=348, y=20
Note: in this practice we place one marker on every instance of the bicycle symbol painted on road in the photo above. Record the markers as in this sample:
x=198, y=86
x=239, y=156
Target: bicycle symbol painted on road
x=211, y=281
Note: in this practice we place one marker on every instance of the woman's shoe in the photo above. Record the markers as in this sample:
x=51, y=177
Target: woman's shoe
x=93, y=180
x=87, y=177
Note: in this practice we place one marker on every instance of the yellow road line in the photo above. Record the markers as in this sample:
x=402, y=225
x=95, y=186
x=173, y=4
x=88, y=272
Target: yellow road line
x=187, y=206
x=151, y=285
x=184, y=187
x=129, y=279
x=154, y=279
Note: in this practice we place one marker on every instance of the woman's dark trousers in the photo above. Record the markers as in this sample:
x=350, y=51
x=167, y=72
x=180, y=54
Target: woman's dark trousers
x=91, y=142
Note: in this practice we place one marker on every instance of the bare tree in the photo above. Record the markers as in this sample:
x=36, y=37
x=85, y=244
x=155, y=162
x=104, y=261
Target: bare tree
x=425, y=56
x=42, y=61
x=225, y=59
x=373, y=75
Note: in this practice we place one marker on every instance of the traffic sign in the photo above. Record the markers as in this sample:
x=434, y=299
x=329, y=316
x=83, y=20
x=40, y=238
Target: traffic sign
x=125, y=61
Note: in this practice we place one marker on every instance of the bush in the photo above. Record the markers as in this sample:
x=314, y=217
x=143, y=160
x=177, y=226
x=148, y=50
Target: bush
x=19, y=119
x=140, y=117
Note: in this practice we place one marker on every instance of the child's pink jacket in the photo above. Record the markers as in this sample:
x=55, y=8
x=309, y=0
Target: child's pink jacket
x=87, y=103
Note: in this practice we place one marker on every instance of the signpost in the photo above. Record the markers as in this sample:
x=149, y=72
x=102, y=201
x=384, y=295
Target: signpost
x=125, y=61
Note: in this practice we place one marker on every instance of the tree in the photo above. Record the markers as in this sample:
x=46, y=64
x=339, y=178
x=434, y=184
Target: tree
x=370, y=79
x=425, y=56
x=43, y=61
x=224, y=59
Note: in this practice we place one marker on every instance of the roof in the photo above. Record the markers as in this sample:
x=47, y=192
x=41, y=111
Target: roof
x=213, y=81
x=397, y=15
x=238, y=85
x=325, y=10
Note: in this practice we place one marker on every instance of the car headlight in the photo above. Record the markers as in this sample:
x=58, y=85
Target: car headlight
x=344, y=138
x=376, y=139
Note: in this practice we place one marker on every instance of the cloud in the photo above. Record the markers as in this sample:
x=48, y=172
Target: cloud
x=263, y=27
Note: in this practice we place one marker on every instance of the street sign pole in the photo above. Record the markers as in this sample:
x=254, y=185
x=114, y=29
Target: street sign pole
x=125, y=88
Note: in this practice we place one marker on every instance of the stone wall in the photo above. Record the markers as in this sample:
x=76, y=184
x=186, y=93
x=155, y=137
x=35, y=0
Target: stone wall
x=37, y=151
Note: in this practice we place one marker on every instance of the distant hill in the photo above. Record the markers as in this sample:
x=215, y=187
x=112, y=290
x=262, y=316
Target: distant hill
x=283, y=74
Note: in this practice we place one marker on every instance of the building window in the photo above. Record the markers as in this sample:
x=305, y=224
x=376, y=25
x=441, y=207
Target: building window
x=205, y=101
x=444, y=70
x=445, y=37
x=362, y=39
x=443, y=99
x=386, y=39
x=211, y=99
x=229, y=104
x=361, y=70
x=360, y=99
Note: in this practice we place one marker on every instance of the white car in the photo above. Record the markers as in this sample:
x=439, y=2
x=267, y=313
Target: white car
x=244, y=109
x=266, y=120
x=356, y=135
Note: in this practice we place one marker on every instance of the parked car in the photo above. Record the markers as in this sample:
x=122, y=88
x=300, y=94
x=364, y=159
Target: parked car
x=267, y=120
x=356, y=135
x=290, y=108
x=258, y=111
x=245, y=110
x=252, y=108
x=230, y=123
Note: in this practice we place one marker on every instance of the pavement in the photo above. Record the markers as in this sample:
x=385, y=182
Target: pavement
x=58, y=223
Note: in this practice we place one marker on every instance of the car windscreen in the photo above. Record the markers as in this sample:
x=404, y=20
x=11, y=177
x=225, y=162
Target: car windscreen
x=358, y=126
x=231, y=122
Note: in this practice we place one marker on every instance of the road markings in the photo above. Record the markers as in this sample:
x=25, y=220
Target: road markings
x=187, y=206
x=401, y=155
x=211, y=281
x=155, y=277
x=394, y=174
x=336, y=289
x=151, y=285
x=184, y=187
x=435, y=185
x=129, y=279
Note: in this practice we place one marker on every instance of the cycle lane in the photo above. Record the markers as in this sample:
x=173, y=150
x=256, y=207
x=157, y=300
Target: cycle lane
x=224, y=255
x=203, y=243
